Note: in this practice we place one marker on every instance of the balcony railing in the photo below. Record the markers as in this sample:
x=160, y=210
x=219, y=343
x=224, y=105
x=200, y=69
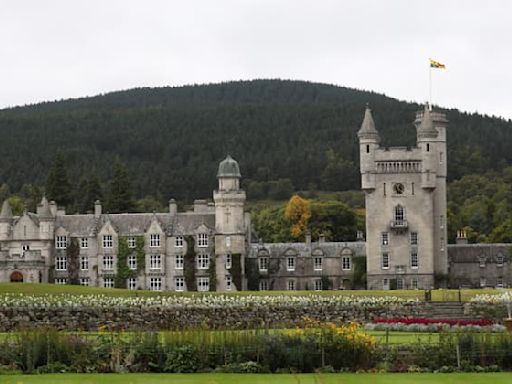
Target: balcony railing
x=398, y=224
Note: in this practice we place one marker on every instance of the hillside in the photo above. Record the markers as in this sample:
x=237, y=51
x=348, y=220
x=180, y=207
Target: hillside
x=171, y=139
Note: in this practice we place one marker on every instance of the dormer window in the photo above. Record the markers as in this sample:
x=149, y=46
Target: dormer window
x=61, y=242
x=107, y=241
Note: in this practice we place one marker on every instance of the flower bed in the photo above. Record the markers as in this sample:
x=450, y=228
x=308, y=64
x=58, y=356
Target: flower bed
x=434, y=325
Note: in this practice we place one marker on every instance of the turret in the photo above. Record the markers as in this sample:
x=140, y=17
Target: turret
x=230, y=237
x=229, y=198
x=5, y=220
x=368, y=143
x=46, y=219
x=431, y=140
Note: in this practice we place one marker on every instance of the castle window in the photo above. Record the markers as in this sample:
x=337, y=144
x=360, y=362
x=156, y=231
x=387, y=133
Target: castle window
x=428, y=147
x=414, y=259
x=290, y=285
x=367, y=148
x=84, y=263
x=179, y=284
x=483, y=282
x=108, y=282
x=229, y=282
x=399, y=214
x=108, y=262
x=25, y=247
x=441, y=221
x=203, y=284
x=229, y=261
x=132, y=283
x=499, y=260
x=179, y=242
x=61, y=281
x=290, y=263
x=61, y=263
x=155, y=284
x=228, y=241
x=155, y=262
x=203, y=261
x=385, y=260
x=414, y=283
x=84, y=243
x=61, y=242
x=317, y=263
x=179, y=261
x=385, y=284
x=412, y=188
x=414, y=238
x=481, y=261
x=318, y=284
x=440, y=157
x=399, y=283
x=84, y=281
x=346, y=263
x=263, y=264
x=107, y=241
x=499, y=282
x=154, y=240
x=442, y=243
x=132, y=262
x=385, y=238
x=384, y=188
x=202, y=240
x=263, y=286
x=132, y=242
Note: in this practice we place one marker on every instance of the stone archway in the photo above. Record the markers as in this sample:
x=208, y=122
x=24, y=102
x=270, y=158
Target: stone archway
x=16, y=277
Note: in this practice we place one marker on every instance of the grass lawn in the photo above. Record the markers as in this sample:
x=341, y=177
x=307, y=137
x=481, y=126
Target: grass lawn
x=42, y=289
x=219, y=378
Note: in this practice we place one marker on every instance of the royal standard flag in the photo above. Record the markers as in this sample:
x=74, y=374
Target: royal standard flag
x=436, y=64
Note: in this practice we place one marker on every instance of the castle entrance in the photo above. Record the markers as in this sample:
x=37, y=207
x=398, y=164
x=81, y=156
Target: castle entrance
x=16, y=277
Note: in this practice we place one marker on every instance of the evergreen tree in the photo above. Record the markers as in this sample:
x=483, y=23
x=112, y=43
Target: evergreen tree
x=120, y=195
x=90, y=191
x=58, y=187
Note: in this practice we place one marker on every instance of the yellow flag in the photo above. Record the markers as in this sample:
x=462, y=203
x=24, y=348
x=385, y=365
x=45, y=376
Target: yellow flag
x=436, y=64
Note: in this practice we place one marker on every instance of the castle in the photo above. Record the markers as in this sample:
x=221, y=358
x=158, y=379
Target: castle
x=211, y=247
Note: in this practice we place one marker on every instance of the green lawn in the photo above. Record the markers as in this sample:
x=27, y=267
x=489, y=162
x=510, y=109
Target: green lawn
x=344, y=378
x=41, y=289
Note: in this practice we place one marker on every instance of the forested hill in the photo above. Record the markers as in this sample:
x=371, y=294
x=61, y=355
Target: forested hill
x=171, y=139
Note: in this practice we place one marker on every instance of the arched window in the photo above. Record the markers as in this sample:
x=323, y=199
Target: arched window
x=399, y=214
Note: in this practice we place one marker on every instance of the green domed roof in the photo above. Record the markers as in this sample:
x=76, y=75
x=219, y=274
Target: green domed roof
x=229, y=168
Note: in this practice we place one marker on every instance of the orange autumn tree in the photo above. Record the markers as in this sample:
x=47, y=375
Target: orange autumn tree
x=298, y=212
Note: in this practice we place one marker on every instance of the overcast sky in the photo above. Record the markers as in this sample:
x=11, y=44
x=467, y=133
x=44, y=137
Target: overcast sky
x=57, y=49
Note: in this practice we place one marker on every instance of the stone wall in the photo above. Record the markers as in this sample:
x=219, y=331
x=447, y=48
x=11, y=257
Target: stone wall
x=152, y=319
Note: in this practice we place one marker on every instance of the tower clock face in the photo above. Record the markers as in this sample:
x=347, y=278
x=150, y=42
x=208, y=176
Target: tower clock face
x=398, y=188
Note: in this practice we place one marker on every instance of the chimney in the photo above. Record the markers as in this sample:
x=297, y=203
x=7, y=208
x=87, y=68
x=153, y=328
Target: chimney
x=461, y=237
x=97, y=208
x=173, y=207
x=53, y=208
x=308, y=239
x=321, y=238
x=200, y=206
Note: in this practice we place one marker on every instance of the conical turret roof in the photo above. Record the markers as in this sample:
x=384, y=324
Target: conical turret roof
x=368, y=130
x=426, y=127
x=44, y=208
x=6, y=213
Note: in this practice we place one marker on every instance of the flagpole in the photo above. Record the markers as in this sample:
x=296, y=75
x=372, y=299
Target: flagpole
x=430, y=87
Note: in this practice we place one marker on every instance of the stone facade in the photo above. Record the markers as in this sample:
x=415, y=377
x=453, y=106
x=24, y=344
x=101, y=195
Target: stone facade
x=405, y=196
x=35, y=247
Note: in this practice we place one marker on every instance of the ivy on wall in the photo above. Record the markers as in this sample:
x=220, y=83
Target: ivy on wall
x=72, y=255
x=236, y=270
x=189, y=264
x=123, y=252
x=212, y=273
x=253, y=274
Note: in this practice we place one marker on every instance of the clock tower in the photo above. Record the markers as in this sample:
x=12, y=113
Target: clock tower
x=405, y=197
